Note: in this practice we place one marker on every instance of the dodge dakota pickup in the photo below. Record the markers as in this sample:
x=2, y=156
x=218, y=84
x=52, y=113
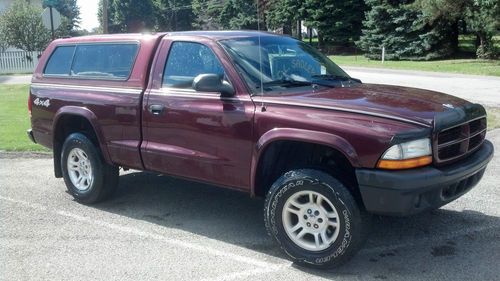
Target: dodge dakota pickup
x=261, y=113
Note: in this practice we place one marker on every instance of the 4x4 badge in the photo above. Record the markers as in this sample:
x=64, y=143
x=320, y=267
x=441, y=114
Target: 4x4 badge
x=42, y=102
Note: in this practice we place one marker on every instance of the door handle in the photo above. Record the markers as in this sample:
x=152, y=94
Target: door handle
x=156, y=109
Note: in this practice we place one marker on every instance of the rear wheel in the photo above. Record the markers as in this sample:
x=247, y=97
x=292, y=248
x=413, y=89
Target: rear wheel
x=87, y=176
x=314, y=218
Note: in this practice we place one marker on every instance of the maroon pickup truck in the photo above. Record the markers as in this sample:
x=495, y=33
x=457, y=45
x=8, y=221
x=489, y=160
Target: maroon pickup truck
x=260, y=113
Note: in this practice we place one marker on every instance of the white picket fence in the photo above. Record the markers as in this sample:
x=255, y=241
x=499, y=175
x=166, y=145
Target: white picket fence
x=18, y=61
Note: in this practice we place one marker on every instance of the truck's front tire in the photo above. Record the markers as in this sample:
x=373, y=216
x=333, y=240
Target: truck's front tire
x=314, y=218
x=87, y=176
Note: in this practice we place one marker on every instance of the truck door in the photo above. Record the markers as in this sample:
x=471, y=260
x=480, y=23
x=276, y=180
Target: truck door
x=193, y=134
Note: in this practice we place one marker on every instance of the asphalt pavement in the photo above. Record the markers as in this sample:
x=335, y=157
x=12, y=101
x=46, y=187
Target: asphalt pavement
x=161, y=228
x=480, y=89
x=15, y=79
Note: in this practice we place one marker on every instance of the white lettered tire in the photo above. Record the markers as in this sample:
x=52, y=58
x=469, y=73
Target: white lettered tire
x=87, y=176
x=314, y=218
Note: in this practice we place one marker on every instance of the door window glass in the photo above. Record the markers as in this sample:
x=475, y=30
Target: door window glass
x=186, y=60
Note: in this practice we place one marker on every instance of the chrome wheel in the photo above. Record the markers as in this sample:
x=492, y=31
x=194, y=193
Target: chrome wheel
x=310, y=220
x=80, y=169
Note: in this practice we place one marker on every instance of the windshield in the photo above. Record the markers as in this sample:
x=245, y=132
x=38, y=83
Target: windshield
x=286, y=63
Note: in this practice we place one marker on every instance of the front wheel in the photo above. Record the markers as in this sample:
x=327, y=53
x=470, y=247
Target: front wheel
x=314, y=218
x=88, y=178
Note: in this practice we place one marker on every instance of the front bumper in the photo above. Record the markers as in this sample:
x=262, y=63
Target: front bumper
x=401, y=193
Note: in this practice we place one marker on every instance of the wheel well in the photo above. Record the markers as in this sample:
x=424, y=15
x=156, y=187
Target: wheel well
x=282, y=156
x=65, y=126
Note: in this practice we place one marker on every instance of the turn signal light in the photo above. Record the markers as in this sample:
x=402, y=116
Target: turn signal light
x=404, y=164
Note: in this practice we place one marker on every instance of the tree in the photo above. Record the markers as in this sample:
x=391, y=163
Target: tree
x=239, y=14
x=225, y=14
x=23, y=28
x=173, y=15
x=206, y=13
x=129, y=15
x=71, y=12
x=282, y=14
x=482, y=17
x=3, y=38
x=404, y=33
x=338, y=22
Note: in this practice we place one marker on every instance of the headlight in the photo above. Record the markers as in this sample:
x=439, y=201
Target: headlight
x=407, y=155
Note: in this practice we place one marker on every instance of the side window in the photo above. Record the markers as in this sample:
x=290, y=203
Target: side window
x=185, y=61
x=108, y=61
x=60, y=61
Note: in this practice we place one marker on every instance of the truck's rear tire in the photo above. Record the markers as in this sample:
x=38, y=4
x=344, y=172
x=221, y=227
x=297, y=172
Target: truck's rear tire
x=87, y=176
x=314, y=218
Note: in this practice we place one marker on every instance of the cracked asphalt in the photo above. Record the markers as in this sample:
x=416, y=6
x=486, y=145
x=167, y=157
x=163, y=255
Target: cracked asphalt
x=161, y=228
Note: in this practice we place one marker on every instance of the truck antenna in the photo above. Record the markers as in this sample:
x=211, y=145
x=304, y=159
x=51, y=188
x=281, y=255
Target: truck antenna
x=262, y=107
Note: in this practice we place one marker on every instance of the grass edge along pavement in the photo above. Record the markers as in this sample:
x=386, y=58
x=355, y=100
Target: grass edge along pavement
x=459, y=66
x=14, y=119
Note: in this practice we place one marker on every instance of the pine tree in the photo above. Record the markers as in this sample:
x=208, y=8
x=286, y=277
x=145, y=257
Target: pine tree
x=337, y=21
x=282, y=14
x=404, y=32
x=225, y=14
x=129, y=15
x=206, y=13
x=239, y=14
x=174, y=15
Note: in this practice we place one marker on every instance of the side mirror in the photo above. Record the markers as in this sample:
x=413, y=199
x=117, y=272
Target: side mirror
x=213, y=83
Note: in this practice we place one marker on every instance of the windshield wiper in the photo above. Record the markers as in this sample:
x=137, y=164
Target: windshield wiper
x=335, y=77
x=287, y=83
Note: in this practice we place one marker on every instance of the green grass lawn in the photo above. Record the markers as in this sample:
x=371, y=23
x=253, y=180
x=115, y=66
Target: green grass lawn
x=16, y=74
x=14, y=119
x=464, y=66
x=493, y=117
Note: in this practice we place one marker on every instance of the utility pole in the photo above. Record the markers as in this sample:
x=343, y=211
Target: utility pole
x=105, y=16
x=52, y=24
x=299, y=30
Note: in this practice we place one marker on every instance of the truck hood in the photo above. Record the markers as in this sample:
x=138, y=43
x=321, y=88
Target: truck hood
x=401, y=103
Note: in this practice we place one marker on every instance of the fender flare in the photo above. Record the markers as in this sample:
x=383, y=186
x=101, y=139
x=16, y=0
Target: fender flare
x=327, y=139
x=91, y=118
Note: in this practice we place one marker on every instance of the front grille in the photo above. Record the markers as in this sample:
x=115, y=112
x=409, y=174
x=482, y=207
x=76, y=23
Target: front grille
x=456, y=142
